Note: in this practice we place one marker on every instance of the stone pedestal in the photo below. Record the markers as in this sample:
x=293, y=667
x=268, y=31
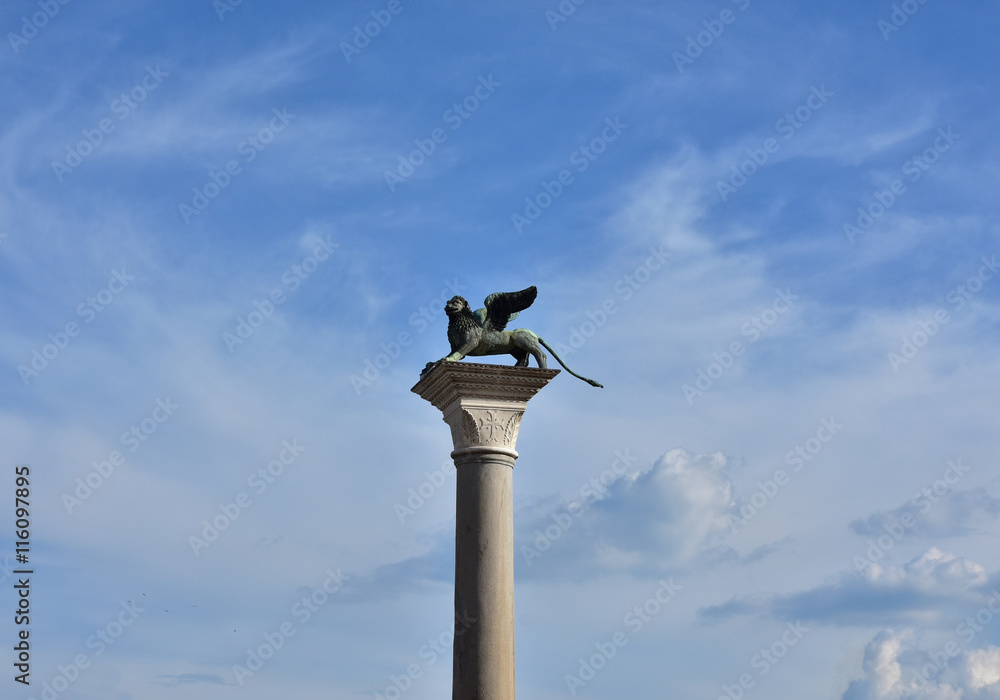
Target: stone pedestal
x=483, y=405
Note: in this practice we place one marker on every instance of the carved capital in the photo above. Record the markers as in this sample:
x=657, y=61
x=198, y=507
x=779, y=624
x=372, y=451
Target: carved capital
x=482, y=404
x=478, y=426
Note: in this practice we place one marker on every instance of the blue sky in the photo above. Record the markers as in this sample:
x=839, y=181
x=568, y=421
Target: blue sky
x=227, y=231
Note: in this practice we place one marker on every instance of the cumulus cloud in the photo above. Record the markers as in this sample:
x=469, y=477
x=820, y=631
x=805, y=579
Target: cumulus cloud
x=981, y=671
x=647, y=521
x=896, y=667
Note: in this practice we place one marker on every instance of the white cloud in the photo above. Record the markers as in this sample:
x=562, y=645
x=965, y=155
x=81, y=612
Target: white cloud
x=666, y=202
x=949, y=515
x=981, y=670
x=896, y=666
x=940, y=571
x=666, y=516
x=684, y=497
x=929, y=591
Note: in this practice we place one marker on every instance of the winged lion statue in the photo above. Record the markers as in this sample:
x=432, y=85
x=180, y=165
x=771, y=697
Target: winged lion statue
x=481, y=332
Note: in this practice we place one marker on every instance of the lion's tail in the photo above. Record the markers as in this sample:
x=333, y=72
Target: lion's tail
x=560, y=361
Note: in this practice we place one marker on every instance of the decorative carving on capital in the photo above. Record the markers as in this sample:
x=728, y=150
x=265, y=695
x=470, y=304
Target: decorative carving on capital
x=510, y=430
x=485, y=427
x=470, y=430
x=483, y=404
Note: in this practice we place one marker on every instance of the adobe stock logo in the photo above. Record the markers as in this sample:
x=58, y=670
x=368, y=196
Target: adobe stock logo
x=582, y=157
x=914, y=169
x=122, y=107
x=292, y=278
x=753, y=329
x=364, y=33
x=766, y=659
x=901, y=14
x=132, y=438
x=454, y=116
x=787, y=126
x=700, y=42
x=563, y=12
x=223, y=6
x=219, y=180
x=30, y=27
x=60, y=339
x=418, y=496
x=638, y=618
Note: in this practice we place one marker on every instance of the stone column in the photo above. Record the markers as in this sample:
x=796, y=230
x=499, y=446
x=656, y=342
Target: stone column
x=483, y=405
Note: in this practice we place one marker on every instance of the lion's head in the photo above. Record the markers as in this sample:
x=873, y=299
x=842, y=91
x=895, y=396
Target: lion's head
x=456, y=305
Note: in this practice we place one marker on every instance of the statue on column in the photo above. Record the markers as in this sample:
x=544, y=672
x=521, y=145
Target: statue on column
x=481, y=332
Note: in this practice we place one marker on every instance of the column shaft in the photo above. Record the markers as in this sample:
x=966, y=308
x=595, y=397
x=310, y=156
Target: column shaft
x=483, y=406
x=484, y=579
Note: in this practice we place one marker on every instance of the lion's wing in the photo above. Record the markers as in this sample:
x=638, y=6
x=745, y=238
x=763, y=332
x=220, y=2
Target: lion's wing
x=503, y=307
